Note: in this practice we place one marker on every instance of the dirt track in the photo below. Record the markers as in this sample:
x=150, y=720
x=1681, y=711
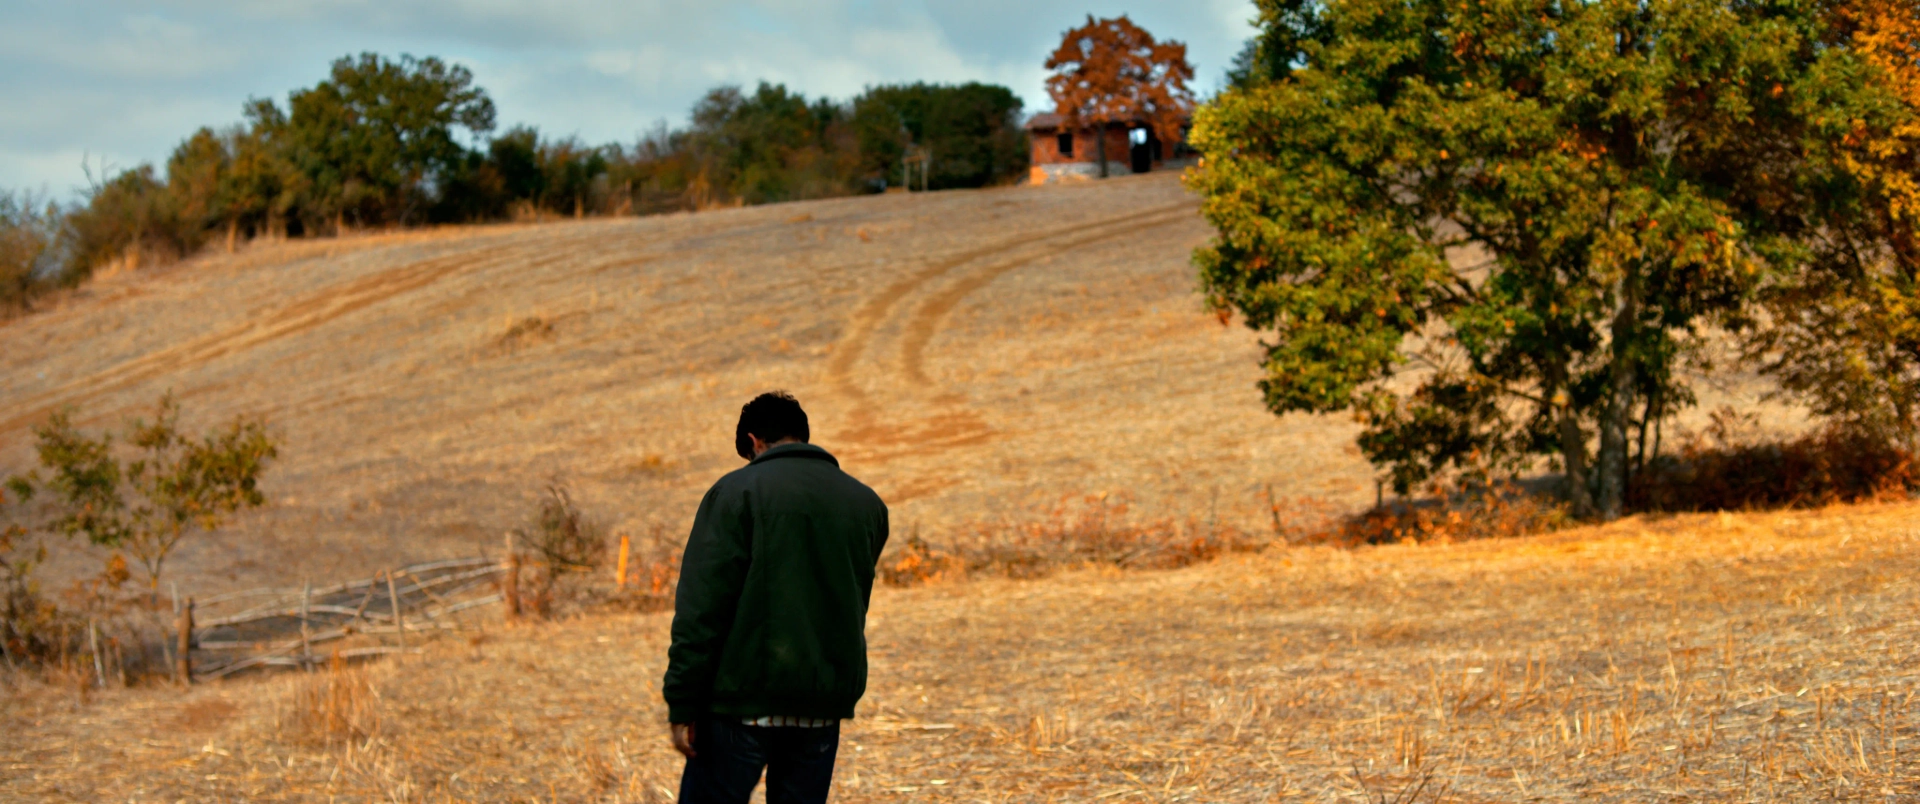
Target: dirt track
x=970, y=354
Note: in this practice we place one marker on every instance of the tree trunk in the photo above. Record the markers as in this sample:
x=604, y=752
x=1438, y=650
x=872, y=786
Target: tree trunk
x=1100, y=148
x=1573, y=451
x=1619, y=413
x=233, y=233
x=1573, y=441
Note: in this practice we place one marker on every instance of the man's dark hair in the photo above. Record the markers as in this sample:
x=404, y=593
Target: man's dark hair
x=772, y=416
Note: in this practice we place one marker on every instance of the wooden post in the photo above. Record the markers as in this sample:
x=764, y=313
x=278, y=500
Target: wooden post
x=620, y=574
x=510, y=587
x=399, y=622
x=306, y=634
x=184, y=661
x=93, y=645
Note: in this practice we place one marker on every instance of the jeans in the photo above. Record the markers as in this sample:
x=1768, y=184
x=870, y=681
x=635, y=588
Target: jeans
x=729, y=756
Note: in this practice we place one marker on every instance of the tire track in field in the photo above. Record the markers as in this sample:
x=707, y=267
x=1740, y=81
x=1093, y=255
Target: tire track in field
x=877, y=309
x=314, y=310
x=926, y=319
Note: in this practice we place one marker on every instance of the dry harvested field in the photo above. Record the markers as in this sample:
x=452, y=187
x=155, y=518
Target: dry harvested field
x=1751, y=657
x=978, y=357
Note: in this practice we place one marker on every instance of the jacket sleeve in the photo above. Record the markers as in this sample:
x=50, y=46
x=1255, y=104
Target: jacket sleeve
x=712, y=573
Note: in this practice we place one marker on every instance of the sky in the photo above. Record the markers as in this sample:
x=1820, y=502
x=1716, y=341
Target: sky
x=108, y=85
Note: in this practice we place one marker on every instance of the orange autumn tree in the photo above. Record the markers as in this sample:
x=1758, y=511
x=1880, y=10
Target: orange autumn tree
x=1112, y=71
x=1888, y=38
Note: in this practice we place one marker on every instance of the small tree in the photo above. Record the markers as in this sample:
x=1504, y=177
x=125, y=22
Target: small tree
x=174, y=486
x=1112, y=71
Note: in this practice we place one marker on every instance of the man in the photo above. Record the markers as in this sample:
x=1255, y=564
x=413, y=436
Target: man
x=769, y=646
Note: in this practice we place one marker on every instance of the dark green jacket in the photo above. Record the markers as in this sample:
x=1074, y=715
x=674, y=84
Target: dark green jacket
x=771, y=611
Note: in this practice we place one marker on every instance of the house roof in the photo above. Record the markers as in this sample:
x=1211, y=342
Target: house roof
x=1050, y=121
x=1044, y=121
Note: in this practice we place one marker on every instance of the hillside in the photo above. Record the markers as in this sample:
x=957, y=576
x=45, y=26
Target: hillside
x=972, y=355
x=976, y=356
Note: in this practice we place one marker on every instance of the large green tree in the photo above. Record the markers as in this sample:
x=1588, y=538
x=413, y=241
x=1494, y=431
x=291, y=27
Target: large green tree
x=972, y=130
x=769, y=145
x=371, y=139
x=1842, y=333
x=1492, y=227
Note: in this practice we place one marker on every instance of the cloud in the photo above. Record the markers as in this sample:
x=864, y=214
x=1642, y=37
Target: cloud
x=131, y=79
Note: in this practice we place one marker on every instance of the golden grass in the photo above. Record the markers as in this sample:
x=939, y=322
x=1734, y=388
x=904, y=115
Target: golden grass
x=336, y=707
x=968, y=354
x=977, y=357
x=1732, y=657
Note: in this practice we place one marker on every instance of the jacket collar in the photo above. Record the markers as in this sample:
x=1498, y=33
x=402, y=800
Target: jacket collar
x=795, y=451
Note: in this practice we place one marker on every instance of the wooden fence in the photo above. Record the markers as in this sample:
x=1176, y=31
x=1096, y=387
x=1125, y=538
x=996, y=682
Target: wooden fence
x=232, y=632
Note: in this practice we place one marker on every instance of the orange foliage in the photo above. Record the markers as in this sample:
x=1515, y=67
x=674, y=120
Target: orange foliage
x=1113, y=71
x=1888, y=36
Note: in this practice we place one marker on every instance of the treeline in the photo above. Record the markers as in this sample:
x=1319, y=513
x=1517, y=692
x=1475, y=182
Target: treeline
x=393, y=143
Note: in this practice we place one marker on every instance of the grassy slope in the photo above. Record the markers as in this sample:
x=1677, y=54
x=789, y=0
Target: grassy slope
x=970, y=354
x=1760, y=657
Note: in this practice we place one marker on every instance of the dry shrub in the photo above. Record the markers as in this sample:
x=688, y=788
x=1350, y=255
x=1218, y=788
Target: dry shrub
x=1081, y=530
x=918, y=563
x=567, y=539
x=569, y=547
x=1732, y=467
x=334, y=707
x=1499, y=510
x=525, y=332
x=28, y=621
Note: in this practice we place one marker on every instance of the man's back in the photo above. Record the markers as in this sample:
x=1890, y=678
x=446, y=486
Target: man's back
x=771, y=609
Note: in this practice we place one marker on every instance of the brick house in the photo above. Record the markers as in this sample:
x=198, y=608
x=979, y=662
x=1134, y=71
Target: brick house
x=1060, y=154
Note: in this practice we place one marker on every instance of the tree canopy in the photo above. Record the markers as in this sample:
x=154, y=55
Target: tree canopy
x=1493, y=229
x=1112, y=71
x=972, y=130
x=371, y=137
x=1842, y=332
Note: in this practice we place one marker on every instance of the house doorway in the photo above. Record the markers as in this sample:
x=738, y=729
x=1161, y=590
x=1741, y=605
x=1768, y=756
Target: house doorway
x=1144, y=148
